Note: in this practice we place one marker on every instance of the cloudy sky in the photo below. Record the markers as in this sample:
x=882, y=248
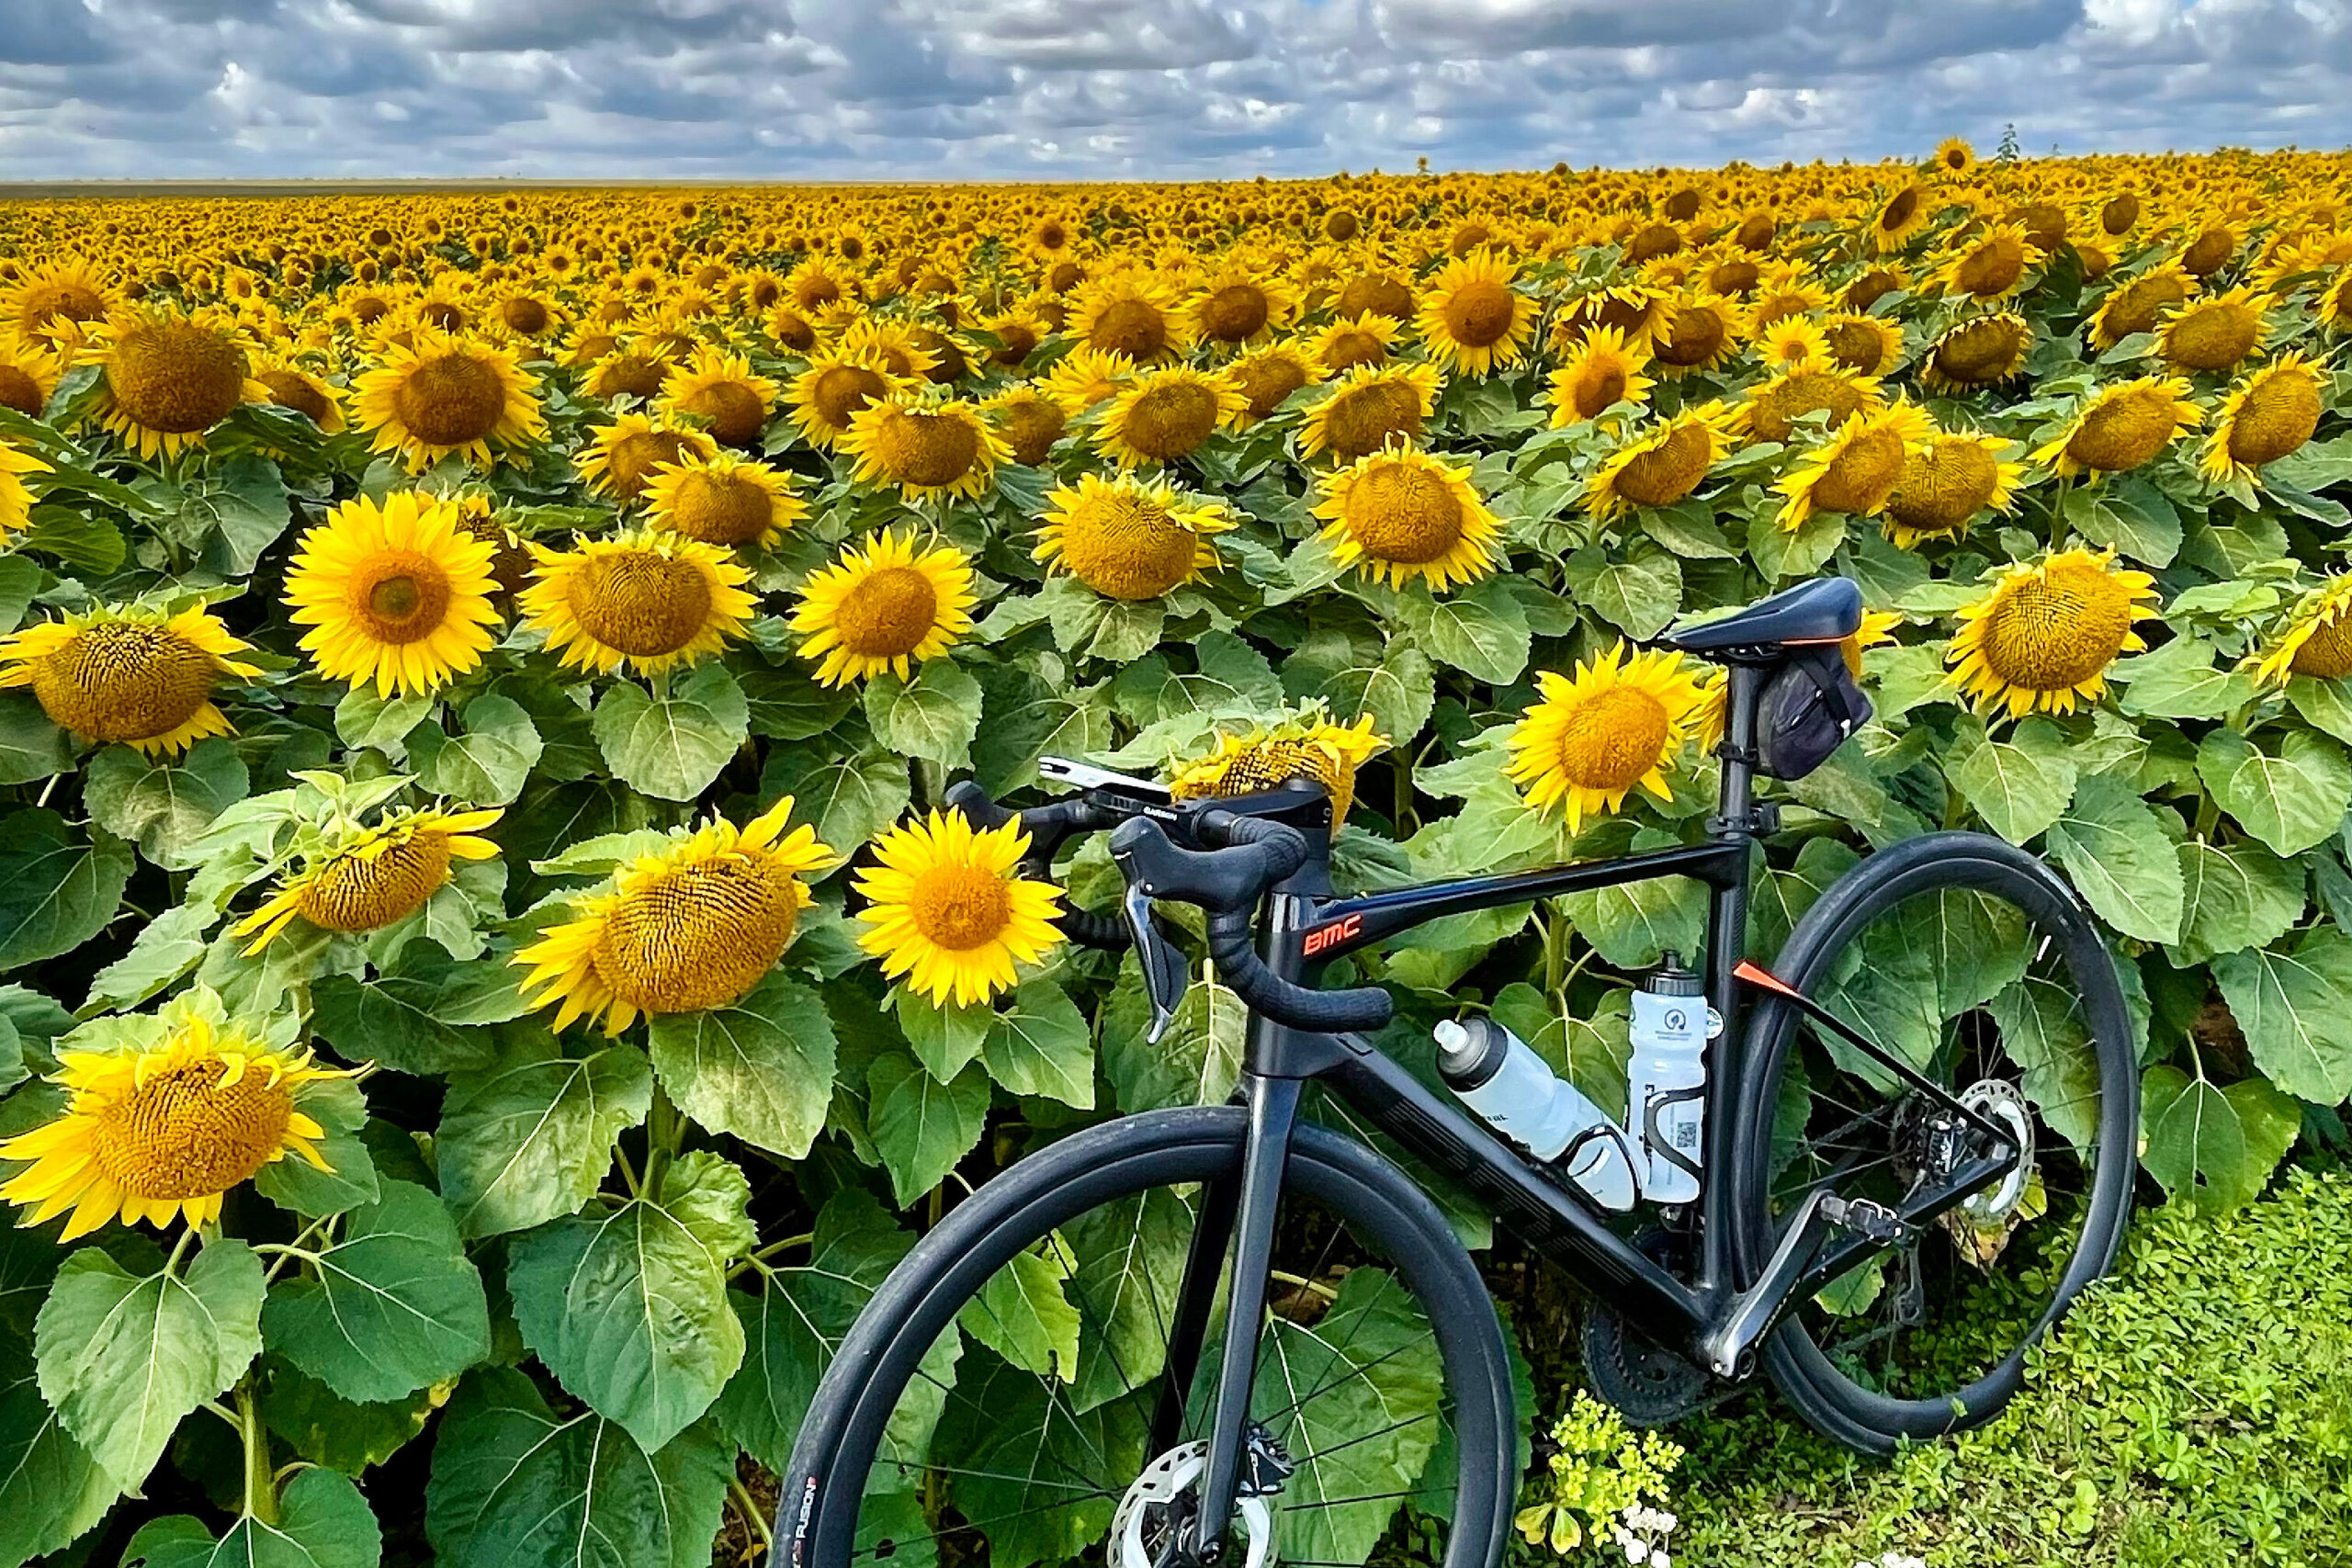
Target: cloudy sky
x=148, y=90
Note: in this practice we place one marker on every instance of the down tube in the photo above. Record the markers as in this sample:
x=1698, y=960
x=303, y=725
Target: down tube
x=1556, y=1224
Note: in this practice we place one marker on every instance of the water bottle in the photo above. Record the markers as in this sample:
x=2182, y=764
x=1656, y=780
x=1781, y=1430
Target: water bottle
x=1667, y=1079
x=1500, y=1076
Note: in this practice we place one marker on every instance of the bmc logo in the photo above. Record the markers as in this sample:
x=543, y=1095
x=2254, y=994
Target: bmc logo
x=1325, y=936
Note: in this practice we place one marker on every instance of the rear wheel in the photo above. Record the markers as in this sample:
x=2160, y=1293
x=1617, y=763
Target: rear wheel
x=1032, y=1387
x=1969, y=960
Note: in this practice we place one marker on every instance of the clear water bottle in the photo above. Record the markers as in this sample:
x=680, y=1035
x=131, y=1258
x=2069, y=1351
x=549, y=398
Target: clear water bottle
x=1671, y=1026
x=1500, y=1076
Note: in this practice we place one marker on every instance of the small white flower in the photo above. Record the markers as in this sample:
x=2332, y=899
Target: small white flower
x=1658, y=1559
x=1636, y=1551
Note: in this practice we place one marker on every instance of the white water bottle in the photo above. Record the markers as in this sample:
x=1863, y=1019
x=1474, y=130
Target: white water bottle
x=1501, y=1077
x=1671, y=1026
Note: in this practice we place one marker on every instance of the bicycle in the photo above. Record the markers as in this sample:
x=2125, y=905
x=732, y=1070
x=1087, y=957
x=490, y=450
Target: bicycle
x=1906, y=1181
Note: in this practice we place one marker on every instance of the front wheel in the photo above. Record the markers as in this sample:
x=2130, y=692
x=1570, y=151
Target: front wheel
x=1970, y=960
x=1033, y=1384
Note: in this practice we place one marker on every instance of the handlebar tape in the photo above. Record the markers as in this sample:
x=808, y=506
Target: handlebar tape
x=1088, y=929
x=1294, y=1006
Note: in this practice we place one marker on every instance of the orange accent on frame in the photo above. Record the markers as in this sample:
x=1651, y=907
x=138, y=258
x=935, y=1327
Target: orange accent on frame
x=1756, y=975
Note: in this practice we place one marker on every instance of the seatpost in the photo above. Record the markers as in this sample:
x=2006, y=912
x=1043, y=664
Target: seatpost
x=1736, y=820
x=1735, y=805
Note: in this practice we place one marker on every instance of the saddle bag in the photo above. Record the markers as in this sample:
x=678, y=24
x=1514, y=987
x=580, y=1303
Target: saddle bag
x=1809, y=707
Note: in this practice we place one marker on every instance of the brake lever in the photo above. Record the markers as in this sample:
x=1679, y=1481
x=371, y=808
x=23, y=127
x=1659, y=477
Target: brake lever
x=1165, y=972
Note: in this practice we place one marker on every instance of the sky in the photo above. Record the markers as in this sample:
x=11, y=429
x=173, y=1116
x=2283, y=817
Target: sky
x=1132, y=89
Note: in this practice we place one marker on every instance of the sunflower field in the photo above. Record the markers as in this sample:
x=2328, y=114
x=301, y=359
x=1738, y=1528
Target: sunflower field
x=487, y=988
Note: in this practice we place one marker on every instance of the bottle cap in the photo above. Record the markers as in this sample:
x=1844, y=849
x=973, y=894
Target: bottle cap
x=1671, y=979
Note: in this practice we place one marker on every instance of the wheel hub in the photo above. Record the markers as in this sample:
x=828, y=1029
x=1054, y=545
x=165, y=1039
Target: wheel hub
x=1153, y=1523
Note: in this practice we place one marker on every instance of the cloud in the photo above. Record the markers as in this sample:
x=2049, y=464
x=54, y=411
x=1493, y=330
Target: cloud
x=1131, y=88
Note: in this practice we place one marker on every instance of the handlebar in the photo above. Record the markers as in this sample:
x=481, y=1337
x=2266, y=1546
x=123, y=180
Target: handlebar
x=1243, y=857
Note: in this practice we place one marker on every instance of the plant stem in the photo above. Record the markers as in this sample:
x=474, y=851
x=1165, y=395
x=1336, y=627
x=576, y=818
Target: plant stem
x=628, y=1171
x=1555, y=951
x=261, y=1496
x=664, y=1130
x=179, y=1248
x=749, y=1506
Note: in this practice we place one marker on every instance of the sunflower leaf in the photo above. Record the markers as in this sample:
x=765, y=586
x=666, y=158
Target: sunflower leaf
x=2291, y=796
x=2293, y=1006
x=57, y=888
x=851, y=798
x=932, y=716
x=2240, y=895
x=2115, y=850
x=1041, y=1046
x=50, y=1489
x=122, y=1358
x=2019, y=785
x=322, y=1522
x=163, y=805
x=1481, y=630
x=394, y=1305
x=2178, y=681
x=761, y=1068
x=2212, y=1146
x=922, y=1127
x=671, y=746
x=486, y=764
x=531, y=1136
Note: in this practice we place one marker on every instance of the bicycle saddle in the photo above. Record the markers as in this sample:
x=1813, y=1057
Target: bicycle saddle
x=1824, y=610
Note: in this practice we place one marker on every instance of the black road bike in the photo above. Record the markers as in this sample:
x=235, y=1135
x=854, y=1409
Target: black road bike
x=1919, y=1135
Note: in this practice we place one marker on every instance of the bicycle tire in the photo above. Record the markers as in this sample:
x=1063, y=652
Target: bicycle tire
x=1826, y=1394
x=835, y=1452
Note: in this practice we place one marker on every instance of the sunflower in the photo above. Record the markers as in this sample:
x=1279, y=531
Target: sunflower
x=1348, y=341
x=440, y=394
x=2317, y=640
x=1305, y=744
x=620, y=459
x=891, y=346
x=1660, y=467
x=16, y=498
x=925, y=445
x=2270, y=415
x=632, y=370
x=946, y=909
x=1989, y=267
x=1602, y=373
x=1133, y=315
x=1398, y=515
x=1267, y=376
x=57, y=299
x=723, y=500
x=129, y=674
x=1954, y=157
x=1129, y=539
x=1619, y=723
x=1787, y=289
x=168, y=377
x=2128, y=424
x=2135, y=305
x=1876, y=631
x=310, y=395
x=370, y=876
x=827, y=397
x=1165, y=414
x=887, y=607
x=163, y=1129
x=1864, y=345
x=1375, y=291
x=643, y=597
x=28, y=373
x=1902, y=215
x=1699, y=333
x=721, y=389
x=1239, y=304
x=1792, y=344
x=397, y=593
x=1029, y=421
x=1857, y=469
x=1367, y=409
x=1085, y=377
x=1946, y=483
x=2046, y=635
x=1471, y=318
x=2213, y=334
x=1978, y=353
x=690, y=927
x=816, y=284
x=1774, y=406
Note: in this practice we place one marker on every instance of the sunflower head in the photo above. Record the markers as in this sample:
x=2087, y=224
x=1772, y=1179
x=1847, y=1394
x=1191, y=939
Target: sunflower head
x=1991, y=265
x=1165, y=414
x=1602, y=372
x=1978, y=353
x=1129, y=539
x=2126, y=425
x=1301, y=745
x=2316, y=640
x=1947, y=480
x=1470, y=316
x=365, y=876
x=29, y=374
x=2215, y=332
x=828, y=396
x=722, y=391
x=1700, y=333
x=57, y=299
x=164, y=1125
x=2267, y=416
x=1268, y=376
x=1369, y=408
x=1899, y=217
x=948, y=911
x=2041, y=641
x=1029, y=421
x=886, y=607
x=1660, y=465
x=925, y=445
x=1399, y=515
x=1857, y=469
x=1242, y=304
x=128, y=673
x=170, y=378
x=690, y=927
x=306, y=392
x=437, y=394
x=395, y=593
x=723, y=500
x=1791, y=344
x=1348, y=341
x=1861, y=344
x=1954, y=157
x=620, y=459
x=2136, y=304
x=1617, y=724
x=1133, y=315
x=1774, y=406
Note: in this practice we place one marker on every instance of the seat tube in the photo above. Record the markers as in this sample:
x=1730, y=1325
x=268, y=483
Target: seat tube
x=1727, y=946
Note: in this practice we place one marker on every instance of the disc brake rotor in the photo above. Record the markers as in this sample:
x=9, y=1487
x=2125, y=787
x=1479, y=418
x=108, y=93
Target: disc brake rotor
x=1146, y=1515
x=1981, y=1222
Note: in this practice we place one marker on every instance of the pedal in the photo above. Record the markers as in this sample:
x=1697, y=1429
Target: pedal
x=1729, y=1349
x=1868, y=1218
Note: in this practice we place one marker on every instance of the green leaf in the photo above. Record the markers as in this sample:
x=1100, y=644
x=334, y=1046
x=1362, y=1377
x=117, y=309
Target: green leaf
x=299, y=1187
x=2044, y=1032
x=2178, y=681
x=1023, y=1314
x=1633, y=922
x=932, y=716
x=392, y=1306
x=31, y=746
x=485, y=765
x=2291, y=796
x=944, y=1039
x=1018, y=1436
x=1637, y=595
x=921, y=1126
x=2239, y=895
x=160, y=805
x=248, y=504
x=2116, y=851
x=851, y=799
x=1025, y=719
x=1040, y=1044
x=86, y=544
x=424, y=1015
x=1128, y=1261
x=1197, y=1062
x=20, y=578
x=50, y=1489
x=2019, y=785
x=531, y=1136
x=796, y=1322
x=627, y=1306
x=122, y=1358
x=1481, y=630
x=365, y=718
x=322, y=1522
x=165, y=948
x=2292, y=1007
x=57, y=889
x=2213, y=1147
x=673, y=746
x=1399, y=691
x=1781, y=554
x=325, y=1428
x=762, y=1068
x=515, y=1486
